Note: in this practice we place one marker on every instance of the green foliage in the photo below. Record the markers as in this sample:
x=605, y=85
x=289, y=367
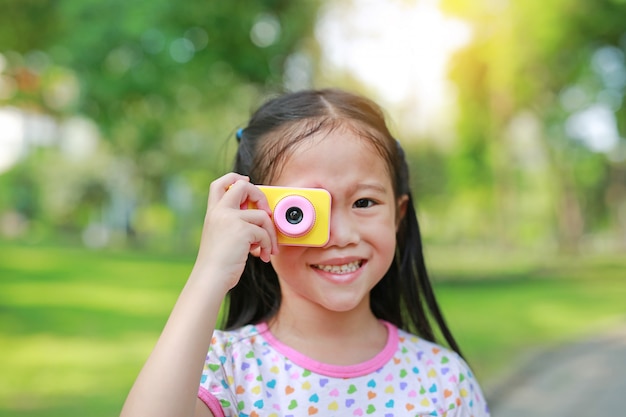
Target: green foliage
x=167, y=86
x=553, y=61
x=77, y=325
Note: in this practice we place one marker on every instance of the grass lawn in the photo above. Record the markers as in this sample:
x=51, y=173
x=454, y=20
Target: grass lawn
x=76, y=325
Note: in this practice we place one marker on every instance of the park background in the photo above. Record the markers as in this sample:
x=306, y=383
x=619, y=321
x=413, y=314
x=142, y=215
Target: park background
x=116, y=115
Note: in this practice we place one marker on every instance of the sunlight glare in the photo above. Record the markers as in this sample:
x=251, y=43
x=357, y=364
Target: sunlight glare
x=399, y=49
x=11, y=140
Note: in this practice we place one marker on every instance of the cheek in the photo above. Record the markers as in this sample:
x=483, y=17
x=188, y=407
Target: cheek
x=389, y=241
x=383, y=238
x=288, y=258
x=389, y=248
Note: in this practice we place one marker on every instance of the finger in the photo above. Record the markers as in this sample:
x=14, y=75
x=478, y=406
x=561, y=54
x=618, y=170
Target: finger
x=259, y=199
x=265, y=254
x=246, y=194
x=262, y=220
x=258, y=252
x=220, y=186
x=242, y=194
x=261, y=246
x=255, y=250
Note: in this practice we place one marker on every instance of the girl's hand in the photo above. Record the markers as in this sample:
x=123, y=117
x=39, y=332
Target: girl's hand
x=229, y=234
x=231, y=230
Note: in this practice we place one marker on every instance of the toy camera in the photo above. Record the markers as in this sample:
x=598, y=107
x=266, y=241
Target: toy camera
x=301, y=215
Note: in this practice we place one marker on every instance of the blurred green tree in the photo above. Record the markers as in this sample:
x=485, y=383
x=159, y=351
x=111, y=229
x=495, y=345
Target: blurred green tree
x=167, y=84
x=552, y=71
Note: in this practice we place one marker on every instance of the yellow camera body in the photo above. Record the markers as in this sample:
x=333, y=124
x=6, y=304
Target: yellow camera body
x=301, y=215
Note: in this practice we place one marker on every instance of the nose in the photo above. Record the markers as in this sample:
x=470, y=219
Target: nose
x=343, y=228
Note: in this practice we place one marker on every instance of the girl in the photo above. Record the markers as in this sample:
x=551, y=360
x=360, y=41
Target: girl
x=339, y=330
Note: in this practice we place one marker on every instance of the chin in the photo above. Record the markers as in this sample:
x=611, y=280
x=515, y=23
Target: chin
x=343, y=305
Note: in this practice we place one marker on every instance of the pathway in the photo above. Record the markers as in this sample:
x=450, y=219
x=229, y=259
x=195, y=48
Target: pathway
x=583, y=379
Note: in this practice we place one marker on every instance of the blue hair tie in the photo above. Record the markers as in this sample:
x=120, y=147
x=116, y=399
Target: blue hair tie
x=239, y=134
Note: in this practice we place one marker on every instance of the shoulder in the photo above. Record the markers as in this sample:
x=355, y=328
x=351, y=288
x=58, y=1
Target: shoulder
x=445, y=372
x=231, y=350
x=426, y=351
x=433, y=359
x=240, y=338
x=240, y=334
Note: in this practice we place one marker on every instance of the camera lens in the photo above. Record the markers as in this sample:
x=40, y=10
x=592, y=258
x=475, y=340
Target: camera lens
x=294, y=215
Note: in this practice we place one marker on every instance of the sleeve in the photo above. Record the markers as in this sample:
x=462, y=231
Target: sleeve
x=470, y=401
x=215, y=383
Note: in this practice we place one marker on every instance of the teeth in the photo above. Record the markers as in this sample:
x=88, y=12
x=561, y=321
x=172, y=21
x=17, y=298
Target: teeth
x=339, y=269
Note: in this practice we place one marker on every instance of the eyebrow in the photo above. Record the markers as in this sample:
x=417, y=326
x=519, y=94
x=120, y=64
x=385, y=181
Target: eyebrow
x=371, y=186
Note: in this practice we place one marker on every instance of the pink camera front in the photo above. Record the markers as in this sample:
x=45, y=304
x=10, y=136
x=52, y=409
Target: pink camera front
x=301, y=215
x=294, y=216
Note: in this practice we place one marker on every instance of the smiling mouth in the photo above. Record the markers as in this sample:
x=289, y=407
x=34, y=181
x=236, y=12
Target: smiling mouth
x=340, y=269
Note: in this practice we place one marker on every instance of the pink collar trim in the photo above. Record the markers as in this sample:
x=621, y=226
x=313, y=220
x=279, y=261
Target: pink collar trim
x=336, y=371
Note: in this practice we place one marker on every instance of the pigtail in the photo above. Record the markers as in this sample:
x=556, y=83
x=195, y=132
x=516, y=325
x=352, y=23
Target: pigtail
x=416, y=290
x=413, y=267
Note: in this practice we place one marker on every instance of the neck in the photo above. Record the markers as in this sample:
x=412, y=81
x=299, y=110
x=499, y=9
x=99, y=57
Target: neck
x=340, y=338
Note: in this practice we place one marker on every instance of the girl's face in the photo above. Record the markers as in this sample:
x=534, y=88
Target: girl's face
x=339, y=276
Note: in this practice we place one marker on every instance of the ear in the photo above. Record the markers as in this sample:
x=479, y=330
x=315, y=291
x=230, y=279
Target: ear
x=401, y=206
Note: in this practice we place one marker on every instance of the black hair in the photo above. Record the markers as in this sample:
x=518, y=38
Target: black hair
x=404, y=296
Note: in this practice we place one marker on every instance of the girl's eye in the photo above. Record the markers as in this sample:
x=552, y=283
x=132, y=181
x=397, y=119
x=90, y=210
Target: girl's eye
x=364, y=203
